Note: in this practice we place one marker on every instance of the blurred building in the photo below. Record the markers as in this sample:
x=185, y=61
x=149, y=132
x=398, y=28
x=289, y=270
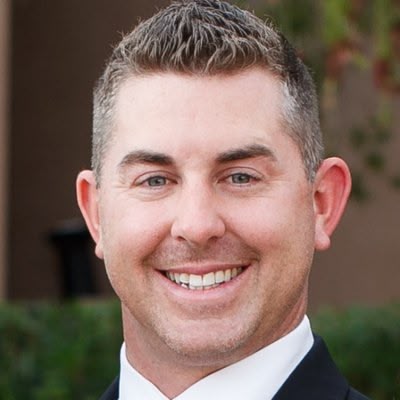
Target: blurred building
x=51, y=53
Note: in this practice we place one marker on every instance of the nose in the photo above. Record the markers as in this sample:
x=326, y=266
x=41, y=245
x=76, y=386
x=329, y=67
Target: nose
x=197, y=220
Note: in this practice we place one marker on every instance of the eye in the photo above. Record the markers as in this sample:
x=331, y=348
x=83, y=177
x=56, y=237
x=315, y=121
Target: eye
x=241, y=178
x=155, y=181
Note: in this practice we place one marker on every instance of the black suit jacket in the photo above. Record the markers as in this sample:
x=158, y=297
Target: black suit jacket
x=315, y=378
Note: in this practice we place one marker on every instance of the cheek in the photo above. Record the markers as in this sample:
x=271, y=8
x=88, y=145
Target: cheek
x=258, y=222
x=266, y=224
x=131, y=229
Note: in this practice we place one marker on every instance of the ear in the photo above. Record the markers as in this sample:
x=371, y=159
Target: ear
x=87, y=195
x=332, y=187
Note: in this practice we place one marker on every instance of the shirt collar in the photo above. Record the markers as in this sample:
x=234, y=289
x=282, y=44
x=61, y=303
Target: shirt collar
x=257, y=377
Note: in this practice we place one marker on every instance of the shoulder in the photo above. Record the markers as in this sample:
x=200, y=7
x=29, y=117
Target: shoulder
x=112, y=391
x=316, y=378
x=354, y=395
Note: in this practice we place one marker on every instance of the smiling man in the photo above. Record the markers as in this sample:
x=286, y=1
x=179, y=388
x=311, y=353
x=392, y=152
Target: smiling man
x=207, y=199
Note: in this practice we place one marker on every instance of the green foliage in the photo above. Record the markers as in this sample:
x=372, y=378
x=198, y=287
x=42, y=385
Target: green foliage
x=371, y=141
x=58, y=352
x=365, y=343
x=385, y=15
x=335, y=28
x=71, y=351
x=296, y=18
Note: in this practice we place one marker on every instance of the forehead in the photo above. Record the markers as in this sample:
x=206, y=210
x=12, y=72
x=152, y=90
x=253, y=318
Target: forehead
x=177, y=113
x=256, y=84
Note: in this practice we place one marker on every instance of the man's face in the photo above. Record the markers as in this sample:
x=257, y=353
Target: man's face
x=206, y=217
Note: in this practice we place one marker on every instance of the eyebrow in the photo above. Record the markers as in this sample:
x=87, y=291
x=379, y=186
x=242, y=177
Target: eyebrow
x=152, y=157
x=250, y=151
x=145, y=157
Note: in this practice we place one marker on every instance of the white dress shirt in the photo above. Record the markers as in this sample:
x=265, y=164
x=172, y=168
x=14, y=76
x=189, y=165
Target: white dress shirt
x=257, y=377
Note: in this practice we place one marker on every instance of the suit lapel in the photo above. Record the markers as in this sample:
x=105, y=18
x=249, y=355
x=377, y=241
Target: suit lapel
x=112, y=392
x=315, y=378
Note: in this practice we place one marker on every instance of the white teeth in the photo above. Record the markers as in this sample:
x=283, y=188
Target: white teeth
x=228, y=275
x=219, y=276
x=177, y=277
x=207, y=281
x=184, y=278
x=195, y=280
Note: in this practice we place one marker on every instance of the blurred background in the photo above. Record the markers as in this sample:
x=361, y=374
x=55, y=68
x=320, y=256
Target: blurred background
x=52, y=52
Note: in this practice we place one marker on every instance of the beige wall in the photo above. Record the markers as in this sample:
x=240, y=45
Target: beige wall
x=4, y=59
x=363, y=264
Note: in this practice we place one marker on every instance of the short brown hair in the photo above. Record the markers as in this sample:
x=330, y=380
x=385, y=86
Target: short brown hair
x=210, y=37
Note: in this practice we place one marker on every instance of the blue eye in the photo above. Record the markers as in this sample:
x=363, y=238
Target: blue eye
x=156, y=181
x=241, y=179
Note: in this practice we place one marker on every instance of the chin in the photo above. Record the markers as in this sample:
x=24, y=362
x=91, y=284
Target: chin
x=209, y=345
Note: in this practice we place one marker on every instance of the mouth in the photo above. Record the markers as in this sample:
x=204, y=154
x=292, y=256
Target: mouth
x=207, y=281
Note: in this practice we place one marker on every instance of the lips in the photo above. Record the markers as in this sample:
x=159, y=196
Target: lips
x=209, y=280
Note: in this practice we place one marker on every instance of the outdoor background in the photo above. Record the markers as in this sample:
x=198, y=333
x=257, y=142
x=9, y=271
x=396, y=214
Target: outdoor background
x=51, y=53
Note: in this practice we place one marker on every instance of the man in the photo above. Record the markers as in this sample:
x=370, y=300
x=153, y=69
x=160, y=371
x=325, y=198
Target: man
x=207, y=200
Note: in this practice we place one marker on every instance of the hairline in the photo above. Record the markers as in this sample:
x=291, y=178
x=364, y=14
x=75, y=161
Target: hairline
x=286, y=100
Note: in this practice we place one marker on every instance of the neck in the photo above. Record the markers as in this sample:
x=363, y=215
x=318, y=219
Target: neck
x=173, y=373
